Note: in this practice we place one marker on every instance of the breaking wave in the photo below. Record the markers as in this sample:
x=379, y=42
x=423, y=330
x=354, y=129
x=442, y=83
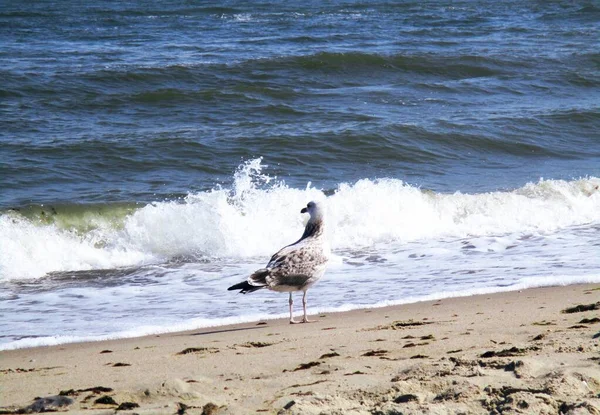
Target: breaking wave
x=260, y=213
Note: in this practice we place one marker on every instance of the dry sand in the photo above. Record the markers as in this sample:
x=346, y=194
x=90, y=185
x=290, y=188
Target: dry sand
x=515, y=352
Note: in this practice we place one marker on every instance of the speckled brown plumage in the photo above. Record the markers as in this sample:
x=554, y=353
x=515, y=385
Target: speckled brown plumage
x=295, y=267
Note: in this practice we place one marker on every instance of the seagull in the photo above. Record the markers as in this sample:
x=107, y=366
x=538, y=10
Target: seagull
x=295, y=267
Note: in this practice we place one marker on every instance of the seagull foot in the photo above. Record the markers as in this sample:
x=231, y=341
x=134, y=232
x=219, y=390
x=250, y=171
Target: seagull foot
x=303, y=321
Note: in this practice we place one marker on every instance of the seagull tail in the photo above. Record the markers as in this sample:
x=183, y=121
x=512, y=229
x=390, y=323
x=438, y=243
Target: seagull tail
x=244, y=287
x=254, y=282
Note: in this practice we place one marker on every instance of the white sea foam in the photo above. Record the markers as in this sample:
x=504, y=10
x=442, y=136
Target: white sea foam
x=31, y=251
x=259, y=214
x=202, y=323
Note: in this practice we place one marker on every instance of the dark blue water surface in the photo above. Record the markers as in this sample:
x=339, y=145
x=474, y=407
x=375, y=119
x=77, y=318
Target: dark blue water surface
x=140, y=101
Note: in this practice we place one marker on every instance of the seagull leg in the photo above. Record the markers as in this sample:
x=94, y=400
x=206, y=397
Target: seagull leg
x=305, y=319
x=292, y=321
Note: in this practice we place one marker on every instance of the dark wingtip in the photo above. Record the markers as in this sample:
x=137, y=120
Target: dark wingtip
x=244, y=287
x=239, y=286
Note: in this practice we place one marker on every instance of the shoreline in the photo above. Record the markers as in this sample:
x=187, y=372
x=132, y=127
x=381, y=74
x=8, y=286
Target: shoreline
x=190, y=325
x=453, y=354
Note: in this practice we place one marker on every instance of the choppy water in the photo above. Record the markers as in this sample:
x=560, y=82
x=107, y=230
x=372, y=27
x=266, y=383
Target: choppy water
x=153, y=154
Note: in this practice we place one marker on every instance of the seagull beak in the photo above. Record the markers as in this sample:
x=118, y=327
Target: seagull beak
x=304, y=210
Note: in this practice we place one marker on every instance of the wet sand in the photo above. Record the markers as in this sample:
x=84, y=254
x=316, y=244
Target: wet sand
x=532, y=351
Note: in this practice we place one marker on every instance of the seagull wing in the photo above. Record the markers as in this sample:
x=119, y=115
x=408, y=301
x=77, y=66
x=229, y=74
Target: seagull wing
x=294, y=265
x=277, y=269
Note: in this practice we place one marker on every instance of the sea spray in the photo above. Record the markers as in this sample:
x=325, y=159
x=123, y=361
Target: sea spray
x=258, y=214
x=29, y=250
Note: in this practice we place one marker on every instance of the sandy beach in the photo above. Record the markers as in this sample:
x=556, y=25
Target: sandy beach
x=531, y=351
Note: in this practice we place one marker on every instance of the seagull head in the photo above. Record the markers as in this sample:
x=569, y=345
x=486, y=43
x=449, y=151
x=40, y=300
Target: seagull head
x=314, y=210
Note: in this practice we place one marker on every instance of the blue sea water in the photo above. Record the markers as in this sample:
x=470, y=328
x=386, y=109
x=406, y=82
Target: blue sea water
x=152, y=154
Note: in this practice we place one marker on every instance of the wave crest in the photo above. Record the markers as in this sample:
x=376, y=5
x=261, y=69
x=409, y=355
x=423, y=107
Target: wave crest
x=260, y=213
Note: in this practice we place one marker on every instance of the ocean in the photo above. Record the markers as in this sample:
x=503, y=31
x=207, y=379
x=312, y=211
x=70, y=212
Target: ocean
x=154, y=153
